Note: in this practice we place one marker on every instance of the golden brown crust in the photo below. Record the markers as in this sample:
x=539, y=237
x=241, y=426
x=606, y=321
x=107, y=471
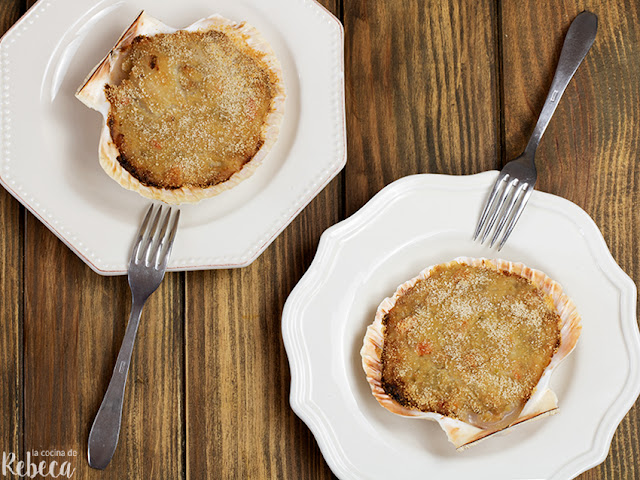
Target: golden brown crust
x=468, y=342
x=190, y=108
x=463, y=433
x=157, y=78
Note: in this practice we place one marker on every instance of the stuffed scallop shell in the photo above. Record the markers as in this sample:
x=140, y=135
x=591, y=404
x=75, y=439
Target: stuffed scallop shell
x=187, y=113
x=455, y=407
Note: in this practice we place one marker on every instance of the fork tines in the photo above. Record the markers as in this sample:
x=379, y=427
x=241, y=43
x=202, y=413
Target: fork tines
x=505, y=204
x=156, y=235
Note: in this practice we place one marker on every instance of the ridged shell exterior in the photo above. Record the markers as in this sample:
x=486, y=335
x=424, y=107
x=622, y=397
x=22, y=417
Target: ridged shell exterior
x=108, y=71
x=541, y=403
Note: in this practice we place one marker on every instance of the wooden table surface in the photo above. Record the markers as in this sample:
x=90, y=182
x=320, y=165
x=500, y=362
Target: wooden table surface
x=438, y=86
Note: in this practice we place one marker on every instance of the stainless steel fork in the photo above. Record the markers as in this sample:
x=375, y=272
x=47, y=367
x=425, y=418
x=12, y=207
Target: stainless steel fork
x=514, y=185
x=146, y=270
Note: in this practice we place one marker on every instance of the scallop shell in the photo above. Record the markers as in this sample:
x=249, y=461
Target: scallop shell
x=109, y=71
x=541, y=403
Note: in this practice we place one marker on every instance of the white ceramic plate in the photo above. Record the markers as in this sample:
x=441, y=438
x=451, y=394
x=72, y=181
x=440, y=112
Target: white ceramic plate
x=49, y=140
x=428, y=219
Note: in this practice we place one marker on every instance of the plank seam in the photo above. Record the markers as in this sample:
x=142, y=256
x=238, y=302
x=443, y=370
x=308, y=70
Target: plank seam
x=499, y=49
x=183, y=316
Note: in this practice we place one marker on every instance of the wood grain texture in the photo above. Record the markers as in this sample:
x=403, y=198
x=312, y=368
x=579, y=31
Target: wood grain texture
x=239, y=423
x=421, y=91
x=11, y=253
x=589, y=154
x=74, y=321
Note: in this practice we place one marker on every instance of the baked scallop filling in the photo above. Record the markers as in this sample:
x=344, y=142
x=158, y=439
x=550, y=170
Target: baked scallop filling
x=469, y=343
x=190, y=108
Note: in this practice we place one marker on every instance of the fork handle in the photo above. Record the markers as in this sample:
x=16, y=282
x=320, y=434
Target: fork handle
x=105, y=430
x=577, y=43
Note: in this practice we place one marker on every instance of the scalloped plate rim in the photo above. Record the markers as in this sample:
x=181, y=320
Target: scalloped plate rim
x=301, y=400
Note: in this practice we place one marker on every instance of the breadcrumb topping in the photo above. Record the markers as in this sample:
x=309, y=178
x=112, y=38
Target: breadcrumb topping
x=190, y=108
x=470, y=343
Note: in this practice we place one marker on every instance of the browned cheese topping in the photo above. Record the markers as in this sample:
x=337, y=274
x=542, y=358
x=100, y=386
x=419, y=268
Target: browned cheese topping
x=470, y=343
x=190, y=109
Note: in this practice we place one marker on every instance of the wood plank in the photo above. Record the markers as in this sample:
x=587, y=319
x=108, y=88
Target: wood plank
x=10, y=298
x=239, y=423
x=589, y=153
x=74, y=322
x=421, y=91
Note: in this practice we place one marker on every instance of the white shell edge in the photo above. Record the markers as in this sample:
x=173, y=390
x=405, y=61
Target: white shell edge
x=543, y=402
x=91, y=93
